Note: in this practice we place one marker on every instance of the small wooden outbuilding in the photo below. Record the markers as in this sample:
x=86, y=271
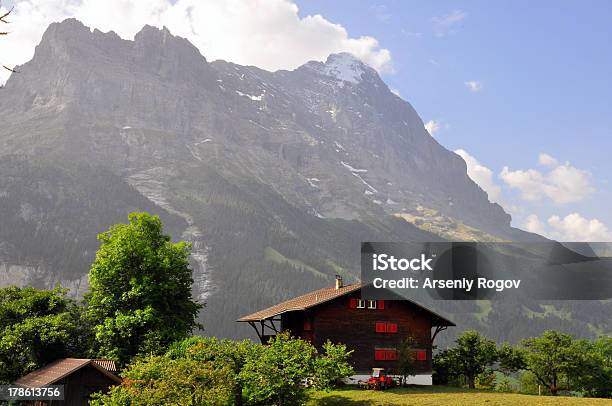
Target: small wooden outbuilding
x=80, y=376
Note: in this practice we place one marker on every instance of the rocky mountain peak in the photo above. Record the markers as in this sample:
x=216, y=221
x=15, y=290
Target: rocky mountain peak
x=344, y=67
x=163, y=39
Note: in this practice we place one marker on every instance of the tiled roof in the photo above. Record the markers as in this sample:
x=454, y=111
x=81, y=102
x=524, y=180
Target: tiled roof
x=317, y=297
x=106, y=364
x=301, y=302
x=57, y=370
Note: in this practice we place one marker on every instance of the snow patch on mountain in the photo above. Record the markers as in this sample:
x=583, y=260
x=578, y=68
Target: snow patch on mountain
x=354, y=170
x=345, y=67
x=250, y=96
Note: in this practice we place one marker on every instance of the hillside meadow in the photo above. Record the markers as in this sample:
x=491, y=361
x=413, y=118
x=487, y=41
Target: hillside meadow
x=441, y=396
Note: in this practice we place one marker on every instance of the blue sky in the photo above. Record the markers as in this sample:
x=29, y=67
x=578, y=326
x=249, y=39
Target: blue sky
x=545, y=70
x=502, y=81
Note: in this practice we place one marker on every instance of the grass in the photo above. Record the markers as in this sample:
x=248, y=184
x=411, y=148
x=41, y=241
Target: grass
x=440, y=396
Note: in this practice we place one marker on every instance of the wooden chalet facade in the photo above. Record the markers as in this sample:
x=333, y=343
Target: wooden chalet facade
x=373, y=329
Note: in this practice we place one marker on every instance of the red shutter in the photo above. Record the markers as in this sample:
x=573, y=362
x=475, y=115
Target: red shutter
x=391, y=327
x=380, y=304
x=307, y=325
x=381, y=327
x=379, y=355
x=391, y=355
x=421, y=355
x=353, y=303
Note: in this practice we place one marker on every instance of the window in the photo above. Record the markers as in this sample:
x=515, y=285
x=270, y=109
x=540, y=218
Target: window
x=379, y=355
x=355, y=303
x=384, y=327
x=385, y=354
x=307, y=325
x=391, y=355
x=391, y=327
x=421, y=355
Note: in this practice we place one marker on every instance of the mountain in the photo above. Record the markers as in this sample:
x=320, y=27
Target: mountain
x=275, y=177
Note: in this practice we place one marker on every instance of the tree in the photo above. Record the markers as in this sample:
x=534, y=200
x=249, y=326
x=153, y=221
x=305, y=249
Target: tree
x=406, y=362
x=140, y=299
x=332, y=366
x=37, y=327
x=510, y=359
x=473, y=354
x=443, y=367
x=552, y=358
x=160, y=380
x=232, y=355
x=599, y=381
x=276, y=375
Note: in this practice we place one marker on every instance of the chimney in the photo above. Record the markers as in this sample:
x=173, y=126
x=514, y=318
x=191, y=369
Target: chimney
x=338, y=282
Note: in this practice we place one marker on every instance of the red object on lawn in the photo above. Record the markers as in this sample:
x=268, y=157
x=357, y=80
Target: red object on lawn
x=380, y=380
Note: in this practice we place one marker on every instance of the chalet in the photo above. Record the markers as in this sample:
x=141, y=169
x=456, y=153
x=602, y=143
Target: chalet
x=373, y=329
x=80, y=377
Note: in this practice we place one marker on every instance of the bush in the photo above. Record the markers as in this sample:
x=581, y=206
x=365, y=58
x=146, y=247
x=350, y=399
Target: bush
x=276, y=375
x=504, y=384
x=486, y=380
x=159, y=380
x=331, y=367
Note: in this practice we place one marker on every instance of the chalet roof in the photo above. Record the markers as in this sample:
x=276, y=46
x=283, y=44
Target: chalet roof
x=320, y=296
x=61, y=368
x=301, y=302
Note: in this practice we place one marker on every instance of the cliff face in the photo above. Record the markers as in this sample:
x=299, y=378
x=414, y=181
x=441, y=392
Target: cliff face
x=275, y=177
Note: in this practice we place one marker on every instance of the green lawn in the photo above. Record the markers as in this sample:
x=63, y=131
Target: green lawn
x=439, y=396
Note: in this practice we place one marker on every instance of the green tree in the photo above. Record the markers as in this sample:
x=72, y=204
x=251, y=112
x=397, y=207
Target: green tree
x=160, y=380
x=406, y=361
x=552, y=358
x=232, y=355
x=473, y=355
x=599, y=382
x=511, y=359
x=276, y=375
x=140, y=297
x=37, y=327
x=332, y=366
x=444, y=370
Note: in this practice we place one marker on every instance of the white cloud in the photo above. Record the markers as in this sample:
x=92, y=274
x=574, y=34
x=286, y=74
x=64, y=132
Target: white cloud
x=534, y=225
x=546, y=160
x=266, y=33
x=562, y=184
x=573, y=227
x=473, y=85
x=482, y=175
x=444, y=25
x=432, y=126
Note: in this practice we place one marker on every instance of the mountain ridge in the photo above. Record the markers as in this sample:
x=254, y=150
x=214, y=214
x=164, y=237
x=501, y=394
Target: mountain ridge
x=271, y=175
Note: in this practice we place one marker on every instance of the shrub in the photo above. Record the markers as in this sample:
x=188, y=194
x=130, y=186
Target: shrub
x=159, y=380
x=276, y=375
x=332, y=366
